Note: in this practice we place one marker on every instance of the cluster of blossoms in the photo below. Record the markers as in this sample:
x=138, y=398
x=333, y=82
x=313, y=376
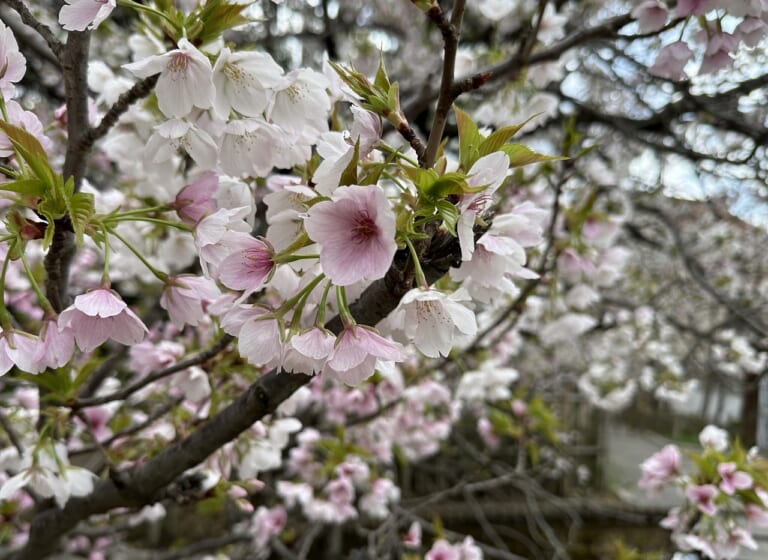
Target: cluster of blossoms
x=334, y=227
x=725, y=498
x=719, y=45
x=279, y=252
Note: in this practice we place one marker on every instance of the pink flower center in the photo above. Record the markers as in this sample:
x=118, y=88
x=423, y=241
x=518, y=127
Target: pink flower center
x=364, y=228
x=179, y=63
x=259, y=259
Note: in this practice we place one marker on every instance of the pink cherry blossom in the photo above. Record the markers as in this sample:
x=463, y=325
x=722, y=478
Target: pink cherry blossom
x=356, y=234
x=19, y=349
x=13, y=65
x=100, y=315
x=718, y=52
x=671, y=60
x=308, y=351
x=186, y=79
x=703, y=497
x=687, y=8
x=357, y=349
x=728, y=545
x=185, y=299
x=248, y=268
x=661, y=468
x=78, y=15
x=651, y=15
x=219, y=234
x=733, y=479
x=260, y=339
x=756, y=515
x=412, y=538
x=267, y=523
x=56, y=346
x=751, y=31
x=443, y=550
x=195, y=201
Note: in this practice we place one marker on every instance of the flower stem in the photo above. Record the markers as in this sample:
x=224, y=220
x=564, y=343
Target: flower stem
x=5, y=317
x=303, y=294
x=344, y=311
x=421, y=280
x=162, y=276
x=320, y=318
x=44, y=303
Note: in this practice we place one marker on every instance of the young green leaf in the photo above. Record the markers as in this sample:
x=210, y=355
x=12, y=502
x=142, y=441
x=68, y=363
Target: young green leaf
x=520, y=155
x=81, y=209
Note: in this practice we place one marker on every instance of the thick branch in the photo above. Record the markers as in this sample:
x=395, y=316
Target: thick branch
x=74, y=65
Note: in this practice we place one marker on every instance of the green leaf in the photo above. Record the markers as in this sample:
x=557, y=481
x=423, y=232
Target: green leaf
x=449, y=213
x=498, y=138
x=30, y=150
x=32, y=187
x=81, y=209
x=349, y=175
x=381, y=80
x=469, y=139
x=448, y=184
x=217, y=16
x=520, y=155
x=48, y=209
x=393, y=98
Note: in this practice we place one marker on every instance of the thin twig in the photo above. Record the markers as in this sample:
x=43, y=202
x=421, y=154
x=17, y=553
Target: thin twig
x=207, y=545
x=159, y=413
x=138, y=91
x=124, y=393
x=451, y=31
x=43, y=30
x=6, y=424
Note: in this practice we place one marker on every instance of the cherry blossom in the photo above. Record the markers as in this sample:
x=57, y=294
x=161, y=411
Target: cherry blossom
x=356, y=234
x=186, y=79
x=185, y=299
x=714, y=437
x=703, y=497
x=433, y=320
x=357, y=349
x=195, y=200
x=660, y=468
x=249, y=267
x=308, y=351
x=651, y=15
x=733, y=479
x=13, y=65
x=242, y=80
x=78, y=15
x=176, y=134
x=100, y=315
x=671, y=61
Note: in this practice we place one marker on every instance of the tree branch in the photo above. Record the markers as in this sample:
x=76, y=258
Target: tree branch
x=138, y=91
x=74, y=66
x=451, y=32
x=143, y=485
x=126, y=392
x=43, y=30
